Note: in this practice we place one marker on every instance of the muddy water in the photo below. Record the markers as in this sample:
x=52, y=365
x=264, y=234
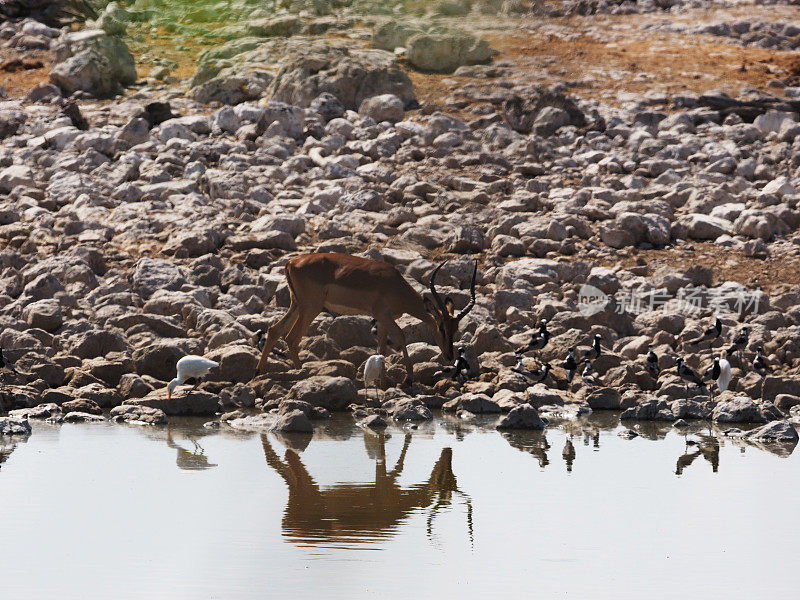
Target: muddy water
x=448, y=509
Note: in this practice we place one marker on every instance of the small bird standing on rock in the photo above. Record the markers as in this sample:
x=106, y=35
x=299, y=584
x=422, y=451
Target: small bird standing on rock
x=589, y=374
x=520, y=367
x=261, y=338
x=539, y=340
x=375, y=372
x=570, y=365
x=596, y=348
x=760, y=365
x=461, y=368
x=689, y=376
x=651, y=363
x=740, y=342
x=712, y=333
x=713, y=372
x=539, y=375
x=190, y=367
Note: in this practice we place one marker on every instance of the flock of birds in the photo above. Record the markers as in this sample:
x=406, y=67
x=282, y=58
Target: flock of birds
x=195, y=367
x=719, y=372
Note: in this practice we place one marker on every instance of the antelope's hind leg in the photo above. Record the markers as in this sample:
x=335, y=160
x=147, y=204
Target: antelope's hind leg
x=298, y=330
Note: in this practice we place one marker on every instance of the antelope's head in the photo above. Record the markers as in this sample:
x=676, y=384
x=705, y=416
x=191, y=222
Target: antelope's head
x=444, y=315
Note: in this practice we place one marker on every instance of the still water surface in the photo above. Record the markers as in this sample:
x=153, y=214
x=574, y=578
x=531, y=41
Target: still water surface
x=101, y=511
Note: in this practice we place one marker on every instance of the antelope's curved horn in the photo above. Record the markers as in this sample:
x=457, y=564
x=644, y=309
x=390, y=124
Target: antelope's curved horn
x=432, y=286
x=471, y=304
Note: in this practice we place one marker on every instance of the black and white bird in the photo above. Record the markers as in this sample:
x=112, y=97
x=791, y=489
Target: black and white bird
x=520, y=367
x=6, y=364
x=651, y=363
x=689, y=376
x=261, y=339
x=596, y=348
x=588, y=370
x=740, y=341
x=539, y=340
x=760, y=365
x=570, y=365
x=712, y=333
x=461, y=369
x=713, y=372
x=539, y=375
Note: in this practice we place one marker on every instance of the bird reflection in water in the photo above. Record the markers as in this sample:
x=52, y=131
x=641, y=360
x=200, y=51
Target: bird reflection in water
x=189, y=460
x=534, y=442
x=568, y=454
x=362, y=512
x=706, y=446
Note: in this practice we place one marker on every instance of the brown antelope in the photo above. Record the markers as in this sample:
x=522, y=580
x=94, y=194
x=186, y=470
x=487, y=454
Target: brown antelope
x=352, y=285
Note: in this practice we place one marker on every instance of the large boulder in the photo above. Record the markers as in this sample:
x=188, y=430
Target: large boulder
x=294, y=421
x=94, y=62
x=151, y=275
x=524, y=416
x=43, y=314
x=474, y=403
x=740, y=409
x=385, y=107
x=289, y=118
x=237, y=363
x=776, y=431
x=350, y=74
x=432, y=48
x=409, y=410
x=194, y=403
x=333, y=393
x=524, y=112
x=445, y=52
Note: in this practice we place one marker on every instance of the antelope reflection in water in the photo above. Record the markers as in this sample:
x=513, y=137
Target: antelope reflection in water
x=189, y=460
x=361, y=512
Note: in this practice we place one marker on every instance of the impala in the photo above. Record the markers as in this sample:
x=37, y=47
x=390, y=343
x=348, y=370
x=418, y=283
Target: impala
x=352, y=285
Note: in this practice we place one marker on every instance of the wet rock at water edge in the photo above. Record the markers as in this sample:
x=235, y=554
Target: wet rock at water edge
x=193, y=403
x=82, y=417
x=139, y=415
x=524, y=416
x=48, y=411
x=409, y=410
x=374, y=422
x=294, y=421
x=776, y=431
x=333, y=393
x=14, y=426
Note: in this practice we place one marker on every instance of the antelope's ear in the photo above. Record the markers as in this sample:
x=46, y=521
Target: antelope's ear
x=450, y=306
x=430, y=306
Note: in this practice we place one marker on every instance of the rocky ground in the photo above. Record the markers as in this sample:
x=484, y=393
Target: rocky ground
x=158, y=170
